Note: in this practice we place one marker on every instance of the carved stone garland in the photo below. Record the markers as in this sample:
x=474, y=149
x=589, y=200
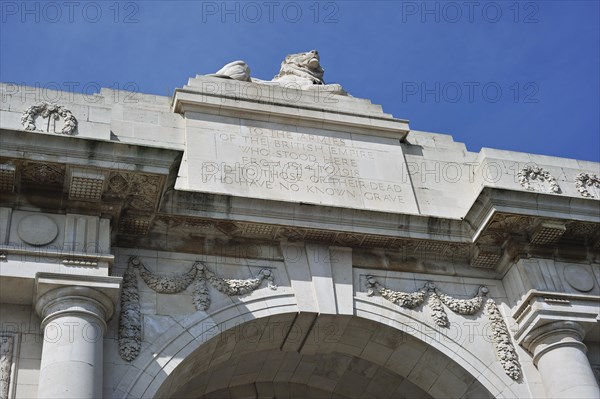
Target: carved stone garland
x=49, y=111
x=7, y=342
x=436, y=300
x=130, y=319
x=536, y=173
x=230, y=287
x=163, y=283
x=585, y=180
x=130, y=328
x=504, y=347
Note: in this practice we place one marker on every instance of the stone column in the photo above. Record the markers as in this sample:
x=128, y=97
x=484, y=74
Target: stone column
x=73, y=321
x=560, y=356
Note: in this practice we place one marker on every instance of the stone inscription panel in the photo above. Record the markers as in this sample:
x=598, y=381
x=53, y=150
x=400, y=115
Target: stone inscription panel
x=286, y=163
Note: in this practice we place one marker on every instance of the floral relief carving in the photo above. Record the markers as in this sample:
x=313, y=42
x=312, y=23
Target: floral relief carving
x=50, y=112
x=437, y=310
x=230, y=287
x=529, y=173
x=585, y=180
x=6, y=352
x=504, y=348
x=166, y=283
x=199, y=276
x=130, y=319
x=465, y=307
x=436, y=300
x=403, y=299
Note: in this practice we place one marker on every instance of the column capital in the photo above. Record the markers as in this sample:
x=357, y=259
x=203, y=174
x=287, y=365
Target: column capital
x=84, y=296
x=539, y=308
x=554, y=335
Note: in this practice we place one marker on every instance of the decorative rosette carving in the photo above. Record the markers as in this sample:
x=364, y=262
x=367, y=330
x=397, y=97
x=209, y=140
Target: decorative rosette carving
x=130, y=319
x=504, y=348
x=49, y=111
x=585, y=180
x=536, y=173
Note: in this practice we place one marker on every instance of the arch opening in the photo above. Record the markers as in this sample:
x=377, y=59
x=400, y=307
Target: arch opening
x=317, y=356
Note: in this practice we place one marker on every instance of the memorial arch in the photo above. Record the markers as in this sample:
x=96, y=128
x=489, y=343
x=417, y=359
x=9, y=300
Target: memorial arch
x=269, y=239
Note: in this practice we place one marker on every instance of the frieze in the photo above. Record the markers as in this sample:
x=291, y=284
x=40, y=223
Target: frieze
x=436, y=300
x=408, y=247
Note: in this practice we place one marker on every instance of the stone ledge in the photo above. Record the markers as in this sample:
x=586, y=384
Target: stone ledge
x=185, y=100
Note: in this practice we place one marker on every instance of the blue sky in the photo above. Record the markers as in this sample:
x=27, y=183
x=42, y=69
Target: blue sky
x=521, y=76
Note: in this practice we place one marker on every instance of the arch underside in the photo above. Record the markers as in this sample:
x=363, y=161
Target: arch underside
x=284, y=356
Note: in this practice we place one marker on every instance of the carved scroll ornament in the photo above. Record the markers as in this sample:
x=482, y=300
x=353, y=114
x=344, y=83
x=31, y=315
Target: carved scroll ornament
x=505, y=350
x=50, y=112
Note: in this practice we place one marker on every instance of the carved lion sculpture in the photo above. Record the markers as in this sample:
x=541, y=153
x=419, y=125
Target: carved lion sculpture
x=302, y=70
x=237, y=70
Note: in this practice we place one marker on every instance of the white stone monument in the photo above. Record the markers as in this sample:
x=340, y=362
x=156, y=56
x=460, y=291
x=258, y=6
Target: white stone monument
x=248, y=238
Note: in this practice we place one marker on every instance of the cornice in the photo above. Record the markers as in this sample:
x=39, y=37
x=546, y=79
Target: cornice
x=78, y=150
x=195, y=99
x=500, y=225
